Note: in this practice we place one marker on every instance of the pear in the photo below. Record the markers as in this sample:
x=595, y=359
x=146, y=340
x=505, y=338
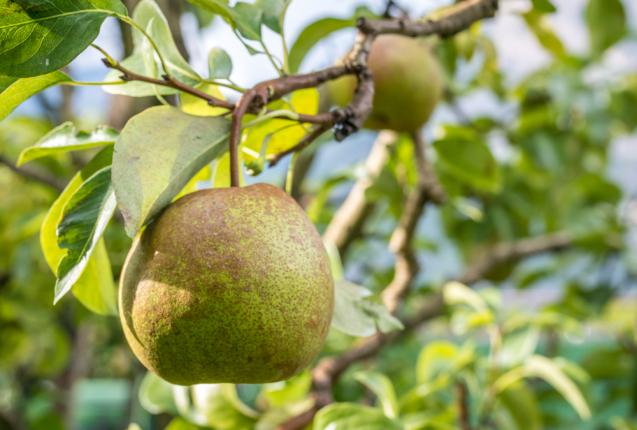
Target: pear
x=227, y=285
x=408, y=83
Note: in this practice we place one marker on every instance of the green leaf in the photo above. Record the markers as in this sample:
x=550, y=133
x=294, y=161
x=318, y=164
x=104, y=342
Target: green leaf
x=40, y=36
x=181, y=424
x=540, y=26
x=542, y=367
x=273, y=12
x=356, y=314
x=456, y=293
x=544, y=6
x=442, y=359
x=247, y=18
x=464, y=156
x=13, y=91
x=222, y=408
x=95, y=288
x=606, y=21
x=156, y=395
x=84, y=220
x=219, y=64
x=158, y=151
x=521, y=406
x=382, y=387
x=66, y=137
x=349, y=416
x=311, y=35
x=143, y=59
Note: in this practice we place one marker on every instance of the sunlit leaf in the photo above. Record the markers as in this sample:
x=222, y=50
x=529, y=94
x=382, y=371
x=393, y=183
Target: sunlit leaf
x=66, y=137
x=348, y=416
x=382, y=387
x=13, y=91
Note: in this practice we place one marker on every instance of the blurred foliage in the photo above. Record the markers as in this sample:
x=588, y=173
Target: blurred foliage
x=564, y=357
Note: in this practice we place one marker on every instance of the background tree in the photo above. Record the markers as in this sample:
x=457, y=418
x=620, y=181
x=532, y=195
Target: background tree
x=483, y=265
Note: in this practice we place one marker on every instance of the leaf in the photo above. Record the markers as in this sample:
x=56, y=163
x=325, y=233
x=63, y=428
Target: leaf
x=156, y=395
x=382, y=387
x=199, y=107
x=544, y=6
x=181, y=424
x=84, y=220
x=521, y=406
x=357, y=315
x=144, y=60
x=542, y=367
x=456, y=293
x=281, y=134
x=219, y=64
x=311, y=35
x=222, y=408
x=158, y=151
x=464, y=156
x=606, y=20
x=540, y=26
x=66, y=137
x=95, y=288
x=442, y=359
x=349, y=416
x=273, y=12
x=40, y=36
x=13, y=91
x=247, y=19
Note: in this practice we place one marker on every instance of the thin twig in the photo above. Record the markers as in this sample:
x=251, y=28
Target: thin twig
x=34, y=175
x=464, y=415
x=167, y=81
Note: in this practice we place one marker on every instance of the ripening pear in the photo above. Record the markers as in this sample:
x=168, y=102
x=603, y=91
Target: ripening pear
x=227, y=285
x=408, y=83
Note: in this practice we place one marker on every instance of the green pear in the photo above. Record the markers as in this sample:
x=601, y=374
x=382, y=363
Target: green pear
x=227, y=285
x=408, y=83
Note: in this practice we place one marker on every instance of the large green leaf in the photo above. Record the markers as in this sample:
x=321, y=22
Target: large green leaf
x=66, y=137
x=606, y=21
x=158, y=151
x=13, y=91
x=144, y=61
x=40, y=36
x=539, y=25
x=221, y=407
x=84, y=220
x=348, y=416
x=95, y=288
x=382, y=387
